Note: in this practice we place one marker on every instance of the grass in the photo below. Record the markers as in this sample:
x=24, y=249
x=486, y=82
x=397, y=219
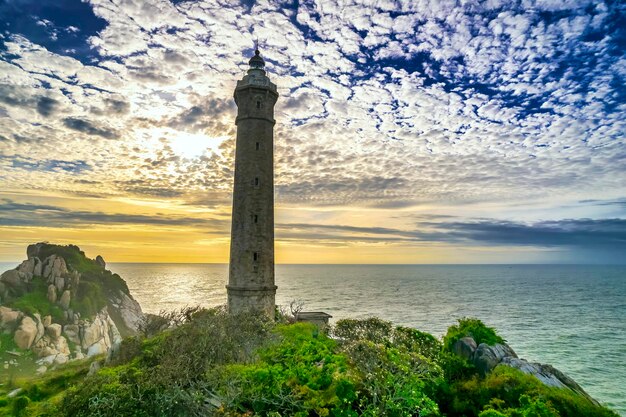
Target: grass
x=41, y=395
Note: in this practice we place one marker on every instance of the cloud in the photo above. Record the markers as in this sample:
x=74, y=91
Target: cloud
x=88, y=128
x=23, y=97
x=589, y=233
x=26, y=214
x=383, y=105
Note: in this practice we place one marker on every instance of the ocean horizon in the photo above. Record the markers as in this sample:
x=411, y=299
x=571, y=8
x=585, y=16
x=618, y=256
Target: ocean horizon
x=569, y=316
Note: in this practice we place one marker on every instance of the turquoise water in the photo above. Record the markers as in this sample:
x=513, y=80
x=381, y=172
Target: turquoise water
x=573, y=317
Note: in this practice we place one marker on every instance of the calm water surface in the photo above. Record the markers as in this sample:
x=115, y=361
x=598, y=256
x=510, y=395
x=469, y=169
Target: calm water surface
x=573, y=317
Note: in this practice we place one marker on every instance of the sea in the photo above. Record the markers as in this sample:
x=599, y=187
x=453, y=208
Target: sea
x=570, y=316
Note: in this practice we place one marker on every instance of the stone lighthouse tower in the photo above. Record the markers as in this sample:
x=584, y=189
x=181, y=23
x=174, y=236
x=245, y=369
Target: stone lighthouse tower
x=251, y=275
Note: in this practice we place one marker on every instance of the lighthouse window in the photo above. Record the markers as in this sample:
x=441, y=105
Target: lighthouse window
x=256, y=180
x=256, y=218
x=255, y=256
x=258, y=104
x=258, y=146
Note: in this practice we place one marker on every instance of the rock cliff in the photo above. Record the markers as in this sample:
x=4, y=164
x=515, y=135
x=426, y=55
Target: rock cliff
x=61, y=305
x=487, y=357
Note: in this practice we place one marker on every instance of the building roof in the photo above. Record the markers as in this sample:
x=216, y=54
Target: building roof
x=312, y=315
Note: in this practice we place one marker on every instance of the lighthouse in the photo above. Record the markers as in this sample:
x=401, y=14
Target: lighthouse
x=251, y=271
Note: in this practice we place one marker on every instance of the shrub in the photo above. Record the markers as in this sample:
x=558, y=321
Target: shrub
x=372, y=329
x=297, y=375
x=474, y=328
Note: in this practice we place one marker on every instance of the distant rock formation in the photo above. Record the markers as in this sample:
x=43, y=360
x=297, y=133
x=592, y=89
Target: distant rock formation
x=486, y=358
x=87, y=308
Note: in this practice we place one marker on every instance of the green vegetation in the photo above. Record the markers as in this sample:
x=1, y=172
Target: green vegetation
x=75, y=259
x=41, y=396
x=215, y=364
x=36, y=301
x=469, y=327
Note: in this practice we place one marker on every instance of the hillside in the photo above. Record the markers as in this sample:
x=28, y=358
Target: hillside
x=215, y=364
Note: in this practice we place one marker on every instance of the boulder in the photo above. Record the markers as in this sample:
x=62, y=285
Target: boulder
x=48, y=346
x=27, y=267
x=71, y=332
x=100, y=261
x=25, y=335
x=94, y=331
x=64, y=302
x=488, y=357
x=54, y=331
x=465, y=347
x=54, y=266
x=47, y=321
x=9, y=318
x=41, y=370
x=59, y=283
x=60, y=359
x=52, y=293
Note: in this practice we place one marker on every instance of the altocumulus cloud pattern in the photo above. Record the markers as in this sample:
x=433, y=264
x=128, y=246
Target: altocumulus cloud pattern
x=384, y=105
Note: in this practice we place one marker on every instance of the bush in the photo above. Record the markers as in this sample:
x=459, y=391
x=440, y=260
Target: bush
x=297, y=375
x=372, y=329
x=474, y=328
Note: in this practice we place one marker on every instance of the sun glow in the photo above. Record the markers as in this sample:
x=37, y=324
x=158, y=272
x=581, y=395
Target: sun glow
x=190, y=145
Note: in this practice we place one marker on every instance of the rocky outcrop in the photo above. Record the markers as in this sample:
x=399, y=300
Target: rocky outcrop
x=486, y=358
x=547, y=374
x=100, y=335
x=126, y=312
x=60, y=284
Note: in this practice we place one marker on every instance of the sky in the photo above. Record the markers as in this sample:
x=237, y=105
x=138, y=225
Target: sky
x=407, y=131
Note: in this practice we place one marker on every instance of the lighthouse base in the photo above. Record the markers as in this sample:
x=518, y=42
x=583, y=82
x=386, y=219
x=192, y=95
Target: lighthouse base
x=252, y=299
